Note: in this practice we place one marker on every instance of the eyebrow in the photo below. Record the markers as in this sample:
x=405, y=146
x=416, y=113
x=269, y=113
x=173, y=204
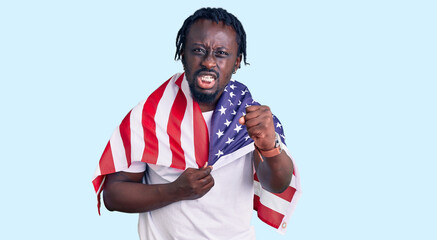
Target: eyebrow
x=203, y=45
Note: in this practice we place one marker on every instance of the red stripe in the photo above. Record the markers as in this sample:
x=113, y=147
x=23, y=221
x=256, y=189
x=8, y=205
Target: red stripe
x=97, y=182
x=288, y=194
x=106, y=162
x=125, y=137
x=179, y=80
x=174, y=130
x=106, y=165
x=266, y=214
x=150, y=154
x=201, y=138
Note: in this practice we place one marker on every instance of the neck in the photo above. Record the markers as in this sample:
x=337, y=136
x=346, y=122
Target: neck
x=204, y=107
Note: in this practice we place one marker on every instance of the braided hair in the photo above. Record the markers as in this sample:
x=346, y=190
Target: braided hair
x=217, y=15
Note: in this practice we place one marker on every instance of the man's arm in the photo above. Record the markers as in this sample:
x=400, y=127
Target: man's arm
x=274, y=173
x=125, y=192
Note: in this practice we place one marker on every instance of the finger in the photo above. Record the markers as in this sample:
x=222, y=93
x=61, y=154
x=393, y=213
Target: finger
x=203, y=172
x=205, y=180
x=254, y=118
x=206, y=164
x=208, y=186
x=252, y=108
x=253, y=124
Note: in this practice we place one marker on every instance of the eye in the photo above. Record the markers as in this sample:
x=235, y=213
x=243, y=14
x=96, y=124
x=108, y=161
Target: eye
x=199, y=51
x=221, y=53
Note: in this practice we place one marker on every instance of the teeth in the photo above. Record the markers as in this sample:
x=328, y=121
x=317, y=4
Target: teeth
x=207, y=78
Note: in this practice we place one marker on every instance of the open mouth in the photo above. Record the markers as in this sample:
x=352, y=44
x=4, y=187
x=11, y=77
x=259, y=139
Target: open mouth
x=206, y=81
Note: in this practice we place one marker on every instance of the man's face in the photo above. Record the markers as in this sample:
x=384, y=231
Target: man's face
x=210, y=55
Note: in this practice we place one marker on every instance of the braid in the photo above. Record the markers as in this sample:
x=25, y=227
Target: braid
x=217, y=15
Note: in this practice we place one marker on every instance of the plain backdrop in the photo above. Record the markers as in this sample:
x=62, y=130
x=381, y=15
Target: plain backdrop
x=353, y=82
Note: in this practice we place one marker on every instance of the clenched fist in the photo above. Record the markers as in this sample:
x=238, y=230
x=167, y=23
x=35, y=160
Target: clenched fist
x=194, y=183
x=259, y=124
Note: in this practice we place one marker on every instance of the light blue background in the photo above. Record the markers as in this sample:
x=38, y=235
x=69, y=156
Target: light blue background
x=354, y=83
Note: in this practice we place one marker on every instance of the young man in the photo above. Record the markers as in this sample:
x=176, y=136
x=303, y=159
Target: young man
x=185, y=158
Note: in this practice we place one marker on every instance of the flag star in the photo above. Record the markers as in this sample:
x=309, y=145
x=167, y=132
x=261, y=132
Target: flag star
x=232, y=94
x=219, y=153
x=253, y=101
x=237, y=128
x=230, y=140
x=226, y=88
x=230, y=102
x=239, y=102
x=247, y=105
x=243, y=92
x=244, y=114
x=278, y=125
x=232, y=86
x=227, y=123
x=234, y=112
x=219, y=133
x=282, y=136
x=232, y=80
x=247, y=137
x=222, y=110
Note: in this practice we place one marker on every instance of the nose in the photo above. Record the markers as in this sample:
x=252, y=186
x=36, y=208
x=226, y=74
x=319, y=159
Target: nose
x=209, y=61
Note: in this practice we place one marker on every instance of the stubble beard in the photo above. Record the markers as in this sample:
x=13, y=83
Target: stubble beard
x=207, y=98
x=200, y=97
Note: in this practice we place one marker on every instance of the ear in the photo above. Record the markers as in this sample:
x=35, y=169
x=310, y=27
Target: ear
x=237, y=64
x=182, y=57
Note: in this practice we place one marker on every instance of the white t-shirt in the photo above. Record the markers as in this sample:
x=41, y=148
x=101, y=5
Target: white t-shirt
x=223, y=213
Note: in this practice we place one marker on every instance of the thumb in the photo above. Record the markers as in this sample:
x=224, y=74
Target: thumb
x=242, y=121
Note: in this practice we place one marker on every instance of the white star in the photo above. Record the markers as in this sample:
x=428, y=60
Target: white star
x=232, y=80
x=243, y=92
x=219, y=153
x=234, y=112
x=253, y=101
x=278, y=125
x=227, y=123
x=282, y=136
x=222, y=110
x=219, y=133
x=239, y=102
x=247, y=105
x=230, y=140
x=226, y=89
x=237, y=128
x=244, y=114
x=232, y=94
x=247, y=137
x=230, y=102
x=232, y=86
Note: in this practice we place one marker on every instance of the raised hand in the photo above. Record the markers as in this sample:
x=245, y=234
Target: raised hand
x=259, y=124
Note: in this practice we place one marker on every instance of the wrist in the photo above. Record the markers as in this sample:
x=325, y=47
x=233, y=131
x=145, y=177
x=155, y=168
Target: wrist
x=273, y=151
x=173, y=191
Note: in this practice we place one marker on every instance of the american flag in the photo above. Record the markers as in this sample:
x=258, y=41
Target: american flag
x=168, y=129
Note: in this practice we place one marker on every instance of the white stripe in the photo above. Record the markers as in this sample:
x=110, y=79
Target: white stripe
x=137, y=132
x=118, y=152
x=97, y=172
x=161, y=119
x=270, y=200
x=187, y=129
x=101, y=185
x=226, y=159
x=293, y=181
x=283, y=227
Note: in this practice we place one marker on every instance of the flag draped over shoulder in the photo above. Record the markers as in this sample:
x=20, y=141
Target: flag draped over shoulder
x=168, y=129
